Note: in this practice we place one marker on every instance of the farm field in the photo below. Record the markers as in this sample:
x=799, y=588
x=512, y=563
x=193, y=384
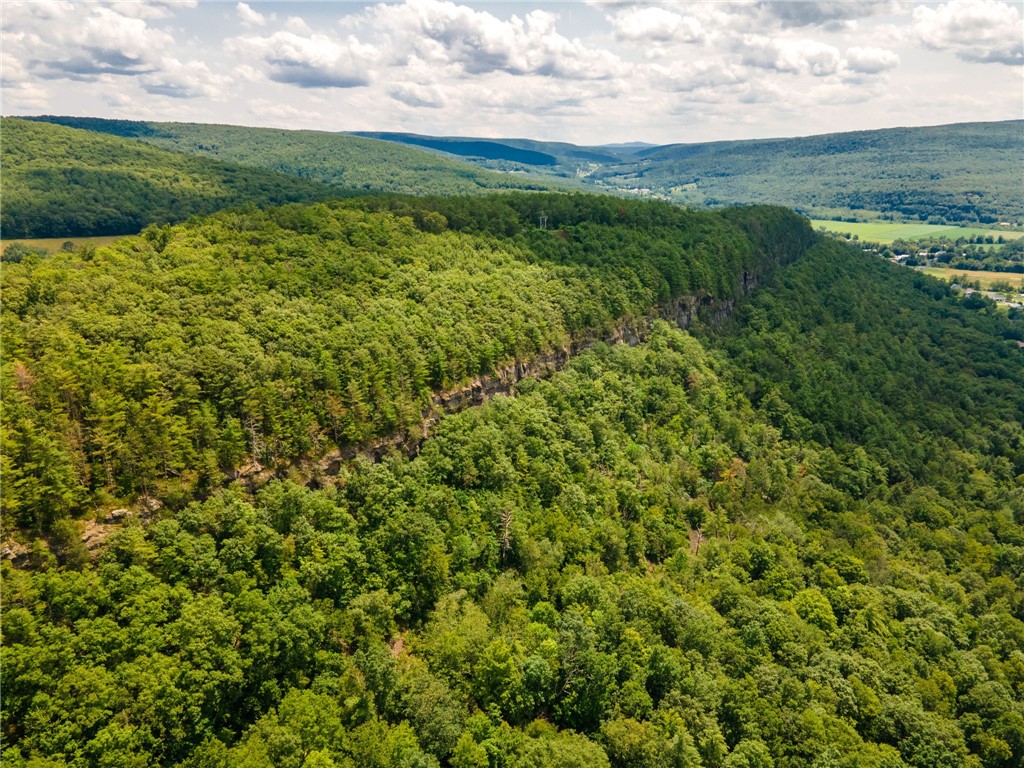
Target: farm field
x=54, y=243
x=985, y=279
x=886, y=232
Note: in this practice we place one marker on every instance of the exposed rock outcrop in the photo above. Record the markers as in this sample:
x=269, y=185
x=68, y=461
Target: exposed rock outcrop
x=503, y=381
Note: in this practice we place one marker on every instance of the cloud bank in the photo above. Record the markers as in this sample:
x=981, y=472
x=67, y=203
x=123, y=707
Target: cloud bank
x=560, y=70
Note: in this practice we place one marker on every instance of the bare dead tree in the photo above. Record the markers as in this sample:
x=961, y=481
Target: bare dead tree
x=505, y=532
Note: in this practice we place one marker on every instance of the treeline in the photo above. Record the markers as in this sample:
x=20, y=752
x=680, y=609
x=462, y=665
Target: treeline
x=932, y=206
x=998, y=256
x=625, y=565
x=62, y=182
x=156, y=365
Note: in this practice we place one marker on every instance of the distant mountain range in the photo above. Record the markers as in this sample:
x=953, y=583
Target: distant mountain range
x=962, y=173
x=524, y=151
x=338, y=159
x=64, y=182
x=70, y=176
x=967, y=172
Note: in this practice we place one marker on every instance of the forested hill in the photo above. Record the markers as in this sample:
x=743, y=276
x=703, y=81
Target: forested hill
x=967, y=172
x=792, y=539
x=63, y=182
x=343, y=161
x=522, y=151
x=960, y=173
x=156, y=365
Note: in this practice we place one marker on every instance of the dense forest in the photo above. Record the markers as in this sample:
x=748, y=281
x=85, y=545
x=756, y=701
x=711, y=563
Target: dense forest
x=63, y=182
x=342, y=161
x=484, y=150
x=154, y=365
x=788, y=538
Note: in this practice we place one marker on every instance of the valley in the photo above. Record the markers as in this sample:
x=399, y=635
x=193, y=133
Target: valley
x=965, y=174
x=886, y=233
x=986, y=280
x=468, y=384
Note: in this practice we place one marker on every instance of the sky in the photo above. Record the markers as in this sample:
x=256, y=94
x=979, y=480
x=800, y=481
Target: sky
x=592, y=72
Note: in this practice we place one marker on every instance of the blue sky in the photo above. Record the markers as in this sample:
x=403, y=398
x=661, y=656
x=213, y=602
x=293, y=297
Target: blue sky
x=586, y=72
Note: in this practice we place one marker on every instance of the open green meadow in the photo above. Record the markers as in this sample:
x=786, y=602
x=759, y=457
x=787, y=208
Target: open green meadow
x=51, y=244
x=984, y=278
x=886, y=232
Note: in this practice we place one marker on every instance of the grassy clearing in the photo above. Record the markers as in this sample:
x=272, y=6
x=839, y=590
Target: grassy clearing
x=51, y=244
x=984, y=278
x=886, y=232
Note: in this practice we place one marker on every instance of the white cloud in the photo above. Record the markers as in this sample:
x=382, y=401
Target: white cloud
x=655, y=24
x=152, y=9
x=184, y=81
x=510, y=94
x=975, y=30
x=298, y=26
x=436, y=30
x=418, y=95
x=833, y=15
x=251, y=18
x=23, y=94
x=284, y=114
x=871, y=61
x=248, y=74
x=100, y=42
x=12, y=71
x=316, y=61
x=791, y=56
x=756, y=16
x=667, y=70
x=86, y=42
x=687, y=76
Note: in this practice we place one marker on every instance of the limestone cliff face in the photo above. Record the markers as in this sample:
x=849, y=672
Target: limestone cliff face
x=478, y=390
x=778, y=243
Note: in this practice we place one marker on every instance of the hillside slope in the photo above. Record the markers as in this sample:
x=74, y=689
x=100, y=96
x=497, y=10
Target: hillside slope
x=960, y=173
x=966, y=172
x=343, y=161
x=521, y=151
x=160, y=362
x=953, y=173
x=631, y=564
x=63, y=182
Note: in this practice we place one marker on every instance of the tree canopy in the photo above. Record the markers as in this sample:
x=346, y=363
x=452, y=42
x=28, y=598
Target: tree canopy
x=64, y=182
x=789, y=538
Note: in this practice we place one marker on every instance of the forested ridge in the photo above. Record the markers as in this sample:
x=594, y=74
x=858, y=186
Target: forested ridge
x=342, y=161
x=157, y=364
x=64, y=182
x=965, y=172
x=788, y=539
x=961, y=173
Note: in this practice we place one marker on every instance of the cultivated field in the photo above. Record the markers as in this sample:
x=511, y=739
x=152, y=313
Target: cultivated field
x=886, y=232
x=54, y=243
x=984, y=278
